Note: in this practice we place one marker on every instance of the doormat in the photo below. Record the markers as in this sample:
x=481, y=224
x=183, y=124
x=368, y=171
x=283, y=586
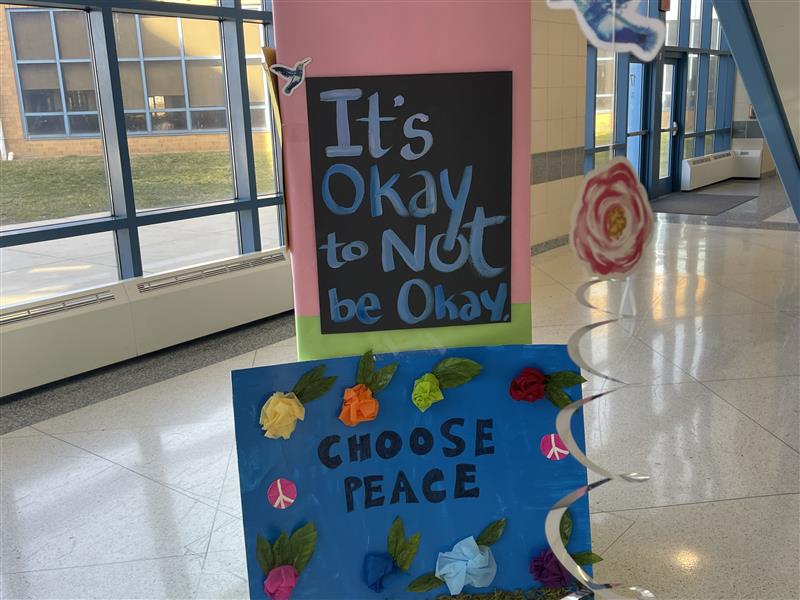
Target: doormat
x=690, y=203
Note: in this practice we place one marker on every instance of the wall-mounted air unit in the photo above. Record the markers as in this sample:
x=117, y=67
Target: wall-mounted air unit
x=49, y=340
x=705, y=170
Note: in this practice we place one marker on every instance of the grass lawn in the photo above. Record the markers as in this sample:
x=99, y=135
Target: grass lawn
x=36, y=189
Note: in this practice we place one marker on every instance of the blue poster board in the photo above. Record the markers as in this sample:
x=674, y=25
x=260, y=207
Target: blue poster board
x=347, y=489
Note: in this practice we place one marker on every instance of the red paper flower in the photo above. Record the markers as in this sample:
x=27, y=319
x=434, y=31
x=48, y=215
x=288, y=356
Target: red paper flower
x=529, y=385
x=612, y=221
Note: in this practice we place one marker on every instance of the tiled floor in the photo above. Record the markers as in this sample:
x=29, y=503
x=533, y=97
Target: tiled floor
x=137, y=495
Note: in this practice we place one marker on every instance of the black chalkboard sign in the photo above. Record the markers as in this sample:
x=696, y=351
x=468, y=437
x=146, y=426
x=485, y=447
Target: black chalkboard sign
x=412, y=199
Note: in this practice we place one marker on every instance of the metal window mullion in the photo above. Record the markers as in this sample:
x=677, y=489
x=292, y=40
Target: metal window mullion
x=57, y=55
x=144, y=75
x=182, y=59
x=705, y=23
x=241, y=138
x=112, y=123
x=620, y=106
x=684, y=21
x=589, y=122
x=702, y=97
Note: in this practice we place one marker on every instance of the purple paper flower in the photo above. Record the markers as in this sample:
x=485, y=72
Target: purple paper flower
x=546, y=569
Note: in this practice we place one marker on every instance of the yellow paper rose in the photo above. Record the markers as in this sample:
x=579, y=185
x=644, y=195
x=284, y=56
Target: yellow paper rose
x=279, y=415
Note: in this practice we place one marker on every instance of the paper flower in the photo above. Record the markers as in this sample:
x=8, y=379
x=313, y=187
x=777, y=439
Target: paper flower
x=448, y=373
x=359, y=403
x=529, y=385
x=547, y=570
x=426, y=391
x=280, y=414
x=280, y=582
x=281, y=411
x=377, y=566
x=466, y=564
x=400, y=552
x=283, y=561
x=451, y=563
x=612, y=220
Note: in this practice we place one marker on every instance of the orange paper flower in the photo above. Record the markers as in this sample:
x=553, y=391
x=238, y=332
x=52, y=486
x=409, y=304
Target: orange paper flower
x=359, y=405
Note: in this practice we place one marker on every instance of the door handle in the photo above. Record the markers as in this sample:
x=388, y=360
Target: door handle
x=674, y=128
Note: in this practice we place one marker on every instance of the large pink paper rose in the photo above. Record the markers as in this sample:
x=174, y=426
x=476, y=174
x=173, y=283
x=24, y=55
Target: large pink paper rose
x=612, y=221
x=280, y=582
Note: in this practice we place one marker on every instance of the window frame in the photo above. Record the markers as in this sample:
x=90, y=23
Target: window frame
x=124, y=221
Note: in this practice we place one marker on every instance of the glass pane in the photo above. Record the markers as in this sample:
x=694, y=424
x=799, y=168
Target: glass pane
x=168, y=121
x=634, y=153
x=164, y=84
x=159, y=36
x=79, y=92
x=50, y=181
x=135, y=122
x=635, y=97
x=664, y=155
x=45, y=125
x=84, y=124
x=716, y=31
x=200, y=37
x=256, y=83
x=270, y=227
x=73, y=38
x=209, y=119
x=695, y=14
x=709, y=144
x=604, y=98
x=126, y=36
x=46, y=269
x=711, y=102
x=203, y=2
x=672, y=23
x=33, y=34
x=688, y=147
x=253, y=39
x=180, y=244
x=40, y=89
x=666, y=96
x=691, y=92
x=260, y=117
x=130, y=74
x=206, y=83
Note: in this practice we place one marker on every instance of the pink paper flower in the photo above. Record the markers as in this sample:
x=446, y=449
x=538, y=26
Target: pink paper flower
x=280, y=582
x=612, y=221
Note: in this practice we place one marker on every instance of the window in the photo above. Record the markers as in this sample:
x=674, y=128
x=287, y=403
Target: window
x=170, y=195
x=671, y=21
x=55, y=77
x=604, y=103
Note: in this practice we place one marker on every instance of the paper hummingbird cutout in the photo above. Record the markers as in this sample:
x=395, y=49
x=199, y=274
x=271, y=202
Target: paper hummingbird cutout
x=294, y=76
x=617, y=26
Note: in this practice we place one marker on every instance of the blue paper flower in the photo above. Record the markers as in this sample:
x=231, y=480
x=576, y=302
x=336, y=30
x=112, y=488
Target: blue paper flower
x=377, y=566
x=466, y=564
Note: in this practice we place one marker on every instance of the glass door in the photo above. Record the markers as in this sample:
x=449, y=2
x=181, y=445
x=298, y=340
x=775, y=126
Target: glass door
x=668, y=133
x=636, y=130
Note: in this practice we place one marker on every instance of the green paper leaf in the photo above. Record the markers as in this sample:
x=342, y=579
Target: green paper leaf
x=491, y=533
x=565, y=379
x=395, y=539
x=425, y=583
x=303, y=543
x=408, y=550
x=381, y=378
x=557, y=396
x=366, y=365
x=313, y=384
x=282, y=551
x=586, y=558
x=264, y=554
x=565, y=527
x=452, y=372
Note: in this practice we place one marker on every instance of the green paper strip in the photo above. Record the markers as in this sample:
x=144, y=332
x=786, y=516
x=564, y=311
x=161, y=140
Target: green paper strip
x=312, y=345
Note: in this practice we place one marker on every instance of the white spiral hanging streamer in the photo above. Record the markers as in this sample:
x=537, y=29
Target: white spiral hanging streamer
x=591, y=587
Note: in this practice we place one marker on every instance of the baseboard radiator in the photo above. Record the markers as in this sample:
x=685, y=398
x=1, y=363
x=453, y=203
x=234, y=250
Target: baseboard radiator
x=45, y=341
x=713, y=168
